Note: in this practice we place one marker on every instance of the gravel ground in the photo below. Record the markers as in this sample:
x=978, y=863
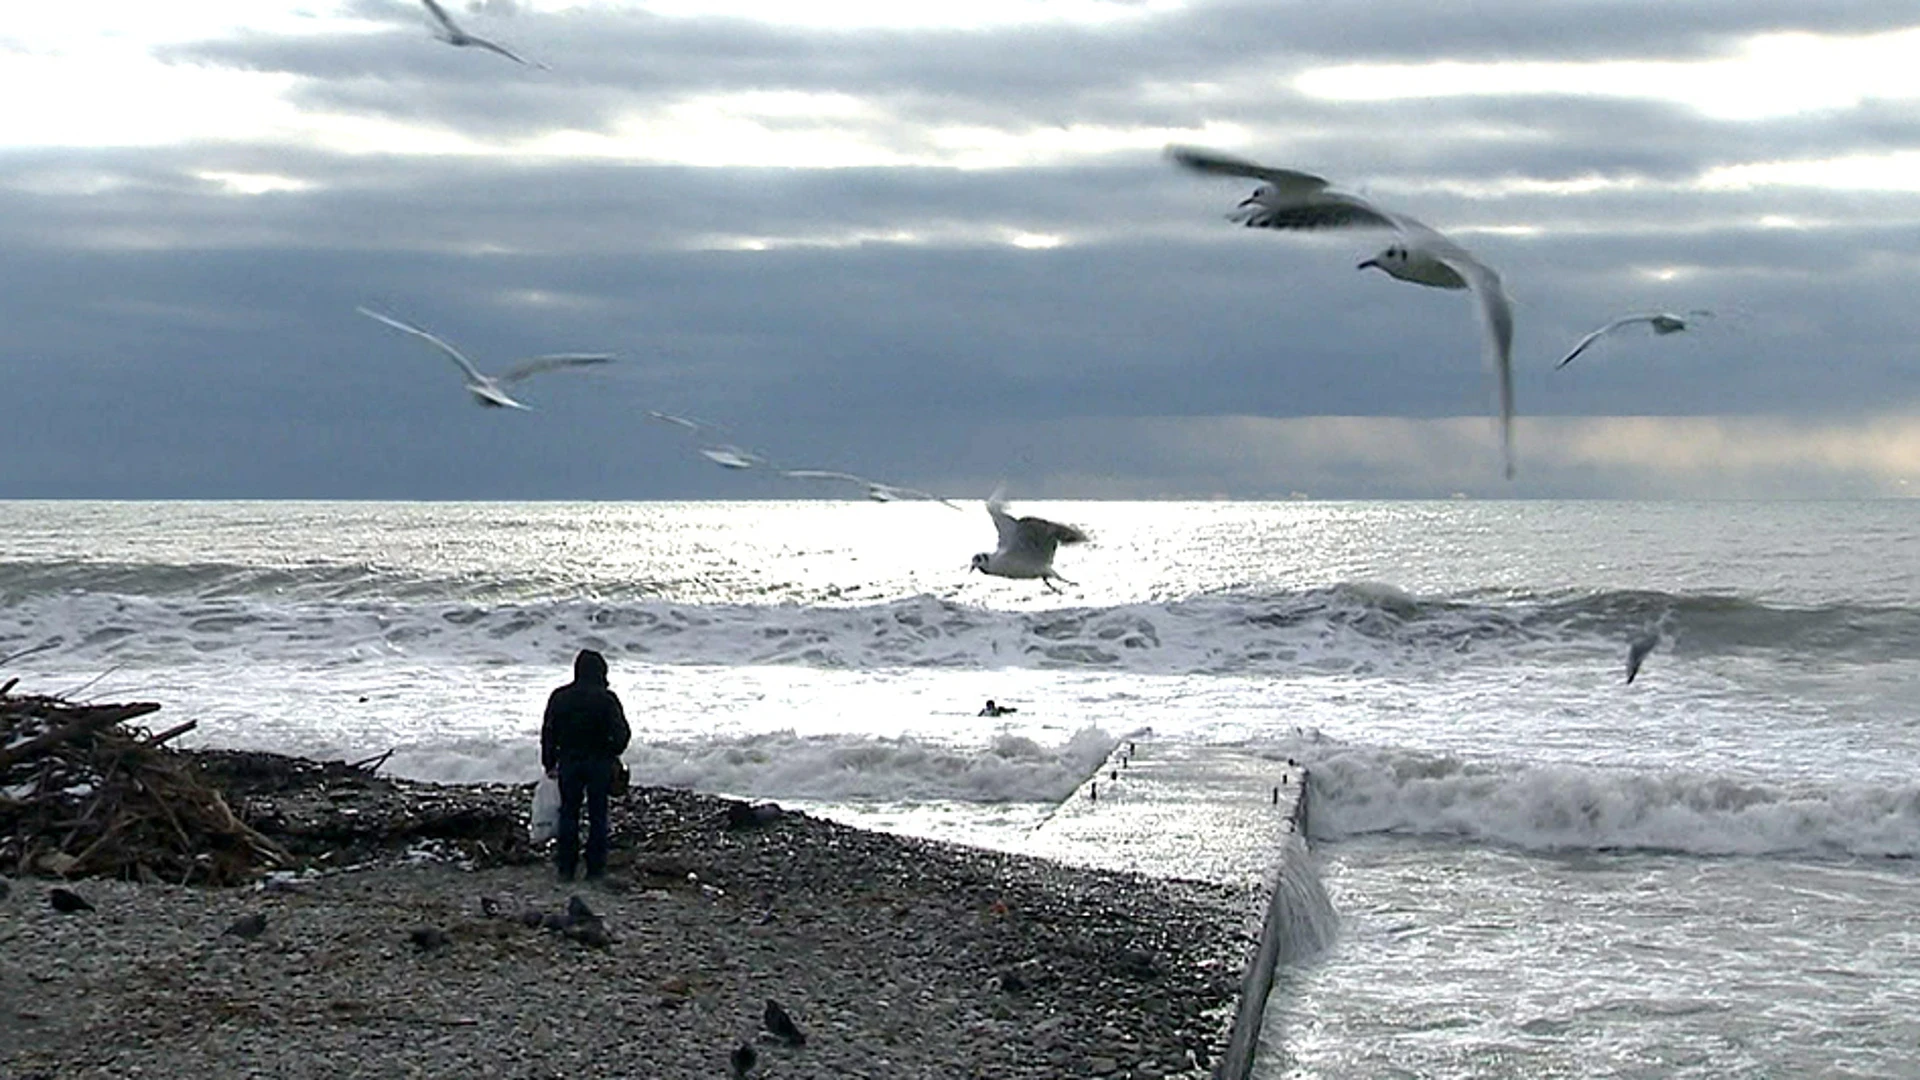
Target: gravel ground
x=899, y=958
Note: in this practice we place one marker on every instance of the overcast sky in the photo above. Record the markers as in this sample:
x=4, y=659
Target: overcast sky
x=940, y=244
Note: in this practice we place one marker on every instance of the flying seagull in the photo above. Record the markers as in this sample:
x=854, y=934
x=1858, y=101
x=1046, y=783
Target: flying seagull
x=876, y=490
x=1637, y=651
x=489, y=390
x=1296, y=201
x=1026, y=545
x=1662, y=322
x=451, y=33
x=725, y=455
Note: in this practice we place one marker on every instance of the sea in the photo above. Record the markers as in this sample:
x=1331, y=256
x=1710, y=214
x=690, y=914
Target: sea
x=1537, y=869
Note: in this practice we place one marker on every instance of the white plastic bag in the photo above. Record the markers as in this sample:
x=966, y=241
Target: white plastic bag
x=543, y=822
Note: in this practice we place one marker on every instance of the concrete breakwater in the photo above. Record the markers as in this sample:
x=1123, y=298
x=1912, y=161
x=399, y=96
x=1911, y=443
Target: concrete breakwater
x=1208, y=813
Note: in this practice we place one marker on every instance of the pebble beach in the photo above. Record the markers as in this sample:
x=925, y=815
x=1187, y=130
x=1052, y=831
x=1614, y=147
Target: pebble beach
x=897, y=957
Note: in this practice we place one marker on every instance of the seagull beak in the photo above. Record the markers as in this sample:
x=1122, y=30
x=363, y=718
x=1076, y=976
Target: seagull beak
x=1375, y=263
x=1250, y=200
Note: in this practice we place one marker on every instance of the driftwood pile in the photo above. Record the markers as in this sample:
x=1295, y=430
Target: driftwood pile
x=331, y=814
x=84, y=793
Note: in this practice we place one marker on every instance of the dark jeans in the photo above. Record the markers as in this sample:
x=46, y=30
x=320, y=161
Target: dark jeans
x=583, y=781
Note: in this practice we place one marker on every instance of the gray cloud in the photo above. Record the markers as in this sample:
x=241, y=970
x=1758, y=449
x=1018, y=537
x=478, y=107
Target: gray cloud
x=168, y=336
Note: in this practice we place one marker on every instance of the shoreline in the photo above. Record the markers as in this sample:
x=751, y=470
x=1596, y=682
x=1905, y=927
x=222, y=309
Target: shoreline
x=901, y=957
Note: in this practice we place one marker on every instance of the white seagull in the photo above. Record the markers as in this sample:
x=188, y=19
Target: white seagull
x=489, y=390
x=1291, y=200
x=1662, y=322
x=725, y=455
x=876, y=490
x=1026, y=545
x=451, y=33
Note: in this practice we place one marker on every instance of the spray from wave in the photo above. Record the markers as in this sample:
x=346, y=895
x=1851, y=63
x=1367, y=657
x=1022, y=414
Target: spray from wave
x=784, y=765
x=1539, y=807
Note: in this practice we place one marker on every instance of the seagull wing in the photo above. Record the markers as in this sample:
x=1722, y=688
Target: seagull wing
x=1289, y=200
x=677, y=421
x=1052, y=532
x=552, y=362
x=895, y=491
x=1033, y=540
x=496, y=47
x=453, y=354
x=440, y=14
x=825, y=474
x=1216, y=164
x=1496, y=314
x=1637, y=651
x=1318, y=210
x=1610, y=327
x=1004, y=525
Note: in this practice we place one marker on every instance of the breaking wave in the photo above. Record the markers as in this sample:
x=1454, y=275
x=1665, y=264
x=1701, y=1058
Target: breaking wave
x=123, y=614
x=1539, y=807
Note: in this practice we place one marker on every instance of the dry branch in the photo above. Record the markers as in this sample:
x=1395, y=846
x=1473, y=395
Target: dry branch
x=83, y=794
x=87, y=718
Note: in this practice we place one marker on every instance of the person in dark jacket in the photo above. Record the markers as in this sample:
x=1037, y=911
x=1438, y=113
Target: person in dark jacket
x=584, y=731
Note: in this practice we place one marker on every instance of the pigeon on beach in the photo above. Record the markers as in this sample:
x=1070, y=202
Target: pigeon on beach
x=782, y=1025
x=1662, y=322
x=451, y=33
x=1637, y=651
x=1026, y=545
x=1296, y=201
x=490, y=390
x=247, y=926
x=743, y=1059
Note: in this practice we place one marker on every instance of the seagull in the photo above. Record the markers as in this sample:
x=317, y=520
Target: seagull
x=728, y=456
x=725, y=455
x=876, y=490
x=1637, y=651
x=1294, y=201
x=1026, y=545
x=489, y=390
x=1662, y=322
x=451, y=33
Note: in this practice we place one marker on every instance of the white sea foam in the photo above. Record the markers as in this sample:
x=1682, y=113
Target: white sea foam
x=1367, y=628
x=1541, y=807
x=786, y=765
